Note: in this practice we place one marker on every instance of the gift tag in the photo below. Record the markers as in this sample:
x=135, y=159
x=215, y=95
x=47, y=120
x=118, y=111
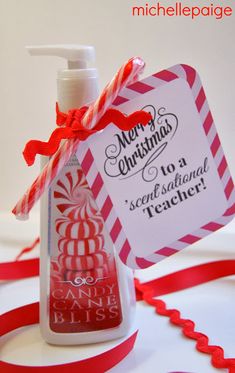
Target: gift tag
x=166, y=185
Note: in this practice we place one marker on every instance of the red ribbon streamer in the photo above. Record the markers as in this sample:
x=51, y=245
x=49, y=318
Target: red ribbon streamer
x=28, y=248
x=19, y=269
x=181, y=280
x=176, y=281
x=187, y=278
x=28, y=315
x=74, y=129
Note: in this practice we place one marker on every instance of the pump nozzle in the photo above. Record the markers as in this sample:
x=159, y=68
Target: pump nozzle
x=77, y=85
x=76, y=55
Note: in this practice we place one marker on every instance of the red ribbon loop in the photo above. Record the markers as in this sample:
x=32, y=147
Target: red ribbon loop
x=72, y=119
x=180, y=280
x=70, y=127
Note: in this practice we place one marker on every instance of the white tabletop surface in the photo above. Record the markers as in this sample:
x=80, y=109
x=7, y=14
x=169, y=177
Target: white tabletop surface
x=160, y=347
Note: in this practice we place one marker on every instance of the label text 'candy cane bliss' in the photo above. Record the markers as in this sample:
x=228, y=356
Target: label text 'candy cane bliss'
x=136, y=152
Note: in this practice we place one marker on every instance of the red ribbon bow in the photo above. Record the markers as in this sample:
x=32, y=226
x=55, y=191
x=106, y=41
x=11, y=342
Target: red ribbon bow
x=70, y=126
x=72, y=119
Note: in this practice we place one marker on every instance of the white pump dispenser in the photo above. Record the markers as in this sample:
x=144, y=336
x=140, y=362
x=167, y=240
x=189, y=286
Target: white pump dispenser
x=76, y=55
x=77, y=85
x=86, y=292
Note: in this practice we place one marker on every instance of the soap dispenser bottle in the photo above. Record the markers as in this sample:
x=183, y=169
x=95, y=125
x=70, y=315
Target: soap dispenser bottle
x=86, y=292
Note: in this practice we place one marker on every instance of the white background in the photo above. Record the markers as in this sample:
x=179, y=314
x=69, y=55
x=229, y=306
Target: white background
x=27, y=97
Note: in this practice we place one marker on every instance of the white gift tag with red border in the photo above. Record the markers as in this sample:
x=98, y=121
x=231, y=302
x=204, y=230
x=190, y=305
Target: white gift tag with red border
x=166, y=185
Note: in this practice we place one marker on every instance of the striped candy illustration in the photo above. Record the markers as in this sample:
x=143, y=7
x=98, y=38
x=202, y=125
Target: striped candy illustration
x=81, y=243
x=69, y=196
x=83, y=262
x=78, y=247
x=66, y=227
x=102, y=197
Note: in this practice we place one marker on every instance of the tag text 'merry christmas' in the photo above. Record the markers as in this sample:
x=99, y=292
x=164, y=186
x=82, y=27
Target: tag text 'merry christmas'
x=135, y=151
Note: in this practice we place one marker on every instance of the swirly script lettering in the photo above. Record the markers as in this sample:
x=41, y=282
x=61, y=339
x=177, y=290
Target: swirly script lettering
x=135, y=151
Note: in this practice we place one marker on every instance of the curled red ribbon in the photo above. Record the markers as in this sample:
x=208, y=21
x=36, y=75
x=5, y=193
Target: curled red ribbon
x=28, y=315
x=73, y=128
x=173, y=282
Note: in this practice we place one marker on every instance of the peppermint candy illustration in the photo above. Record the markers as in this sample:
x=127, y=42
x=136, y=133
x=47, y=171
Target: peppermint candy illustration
x=81, y=242
x=85, y=262
x=79, y=247
x=74, y=197
x=79, y=229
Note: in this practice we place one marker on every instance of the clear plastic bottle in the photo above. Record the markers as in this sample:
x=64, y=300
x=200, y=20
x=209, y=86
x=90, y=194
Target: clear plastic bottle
x=86, y=292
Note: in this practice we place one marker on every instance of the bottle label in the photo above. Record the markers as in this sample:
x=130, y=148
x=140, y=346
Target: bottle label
x=83, y=290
